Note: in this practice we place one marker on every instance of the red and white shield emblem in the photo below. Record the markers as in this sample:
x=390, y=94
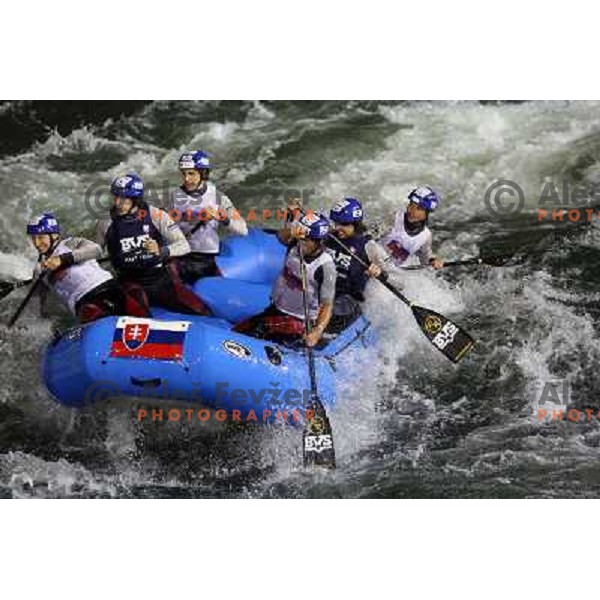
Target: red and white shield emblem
x=135, y=335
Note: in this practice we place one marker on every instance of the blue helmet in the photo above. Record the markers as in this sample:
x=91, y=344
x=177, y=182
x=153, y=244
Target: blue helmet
x=347, y=211
x=43, y=224
x=194, y=160
x=316, y=225
x=425, y=197
x=127, y=186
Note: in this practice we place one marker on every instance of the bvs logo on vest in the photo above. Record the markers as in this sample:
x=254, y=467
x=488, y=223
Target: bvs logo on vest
x=133, y=243
x=340, y=258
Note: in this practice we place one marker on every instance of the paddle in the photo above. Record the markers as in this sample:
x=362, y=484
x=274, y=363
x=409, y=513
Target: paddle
x=26, y=300
x=317, y=437
x=492, y=261
x=446, y=336
x=6, y=287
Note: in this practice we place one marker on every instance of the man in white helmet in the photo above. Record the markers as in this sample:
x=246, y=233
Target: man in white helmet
x=202, y=212
x=410, y=235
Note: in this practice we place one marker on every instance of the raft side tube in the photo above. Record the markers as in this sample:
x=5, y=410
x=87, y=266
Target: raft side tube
x=233, y=300
x=257, y=257
x=219, y=369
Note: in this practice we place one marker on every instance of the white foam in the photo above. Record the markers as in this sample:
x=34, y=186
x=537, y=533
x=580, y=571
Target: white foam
x=15, y=266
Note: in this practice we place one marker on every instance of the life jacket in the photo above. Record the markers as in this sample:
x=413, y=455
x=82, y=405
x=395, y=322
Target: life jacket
x=125, y=239
x=206, y=237
x=73, y=283
x=400, y=243
x=351, y=277
x=287, y=291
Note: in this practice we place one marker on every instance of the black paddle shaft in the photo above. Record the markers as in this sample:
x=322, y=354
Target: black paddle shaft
x=454, y=263
x=500, y=260
x=26, y=300
x=317, y=438
x=314, y=395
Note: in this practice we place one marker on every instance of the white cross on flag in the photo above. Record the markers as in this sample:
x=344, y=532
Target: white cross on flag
x=149, y=339
x=135, y=335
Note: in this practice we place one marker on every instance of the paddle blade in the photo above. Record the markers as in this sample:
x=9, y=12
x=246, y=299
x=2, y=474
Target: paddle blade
x=446, y=336
x=317, y=439
x=502, y=261
x=6, y=288
x=497, y=253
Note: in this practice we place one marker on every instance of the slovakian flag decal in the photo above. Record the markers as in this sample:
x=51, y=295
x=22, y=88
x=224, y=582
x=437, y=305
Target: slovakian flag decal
x=149, y=338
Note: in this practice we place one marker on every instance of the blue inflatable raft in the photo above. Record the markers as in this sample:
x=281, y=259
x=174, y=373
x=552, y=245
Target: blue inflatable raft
x=200, y=360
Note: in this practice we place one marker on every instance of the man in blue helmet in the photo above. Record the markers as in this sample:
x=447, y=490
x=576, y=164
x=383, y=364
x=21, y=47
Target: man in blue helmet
x=348, y=226
x=410, y=235
x=140, y=241
x=203, y=212
x=284, y=318
x=70, y=269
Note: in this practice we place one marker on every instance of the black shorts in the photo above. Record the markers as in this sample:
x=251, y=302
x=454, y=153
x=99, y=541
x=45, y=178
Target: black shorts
x=196, y=265
x=164, y=288
x=109, y=298
x=346, y=309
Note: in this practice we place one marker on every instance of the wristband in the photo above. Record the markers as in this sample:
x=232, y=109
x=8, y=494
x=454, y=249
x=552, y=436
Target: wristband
x=67, y=259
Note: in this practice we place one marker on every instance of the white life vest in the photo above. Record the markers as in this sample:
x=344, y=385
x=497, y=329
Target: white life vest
x=74, y=282
x=399, y=244
x=287, y=291
x=206, y=237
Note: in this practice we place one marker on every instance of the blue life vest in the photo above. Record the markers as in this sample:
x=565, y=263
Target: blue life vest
x=125, y=242
x=351, y=277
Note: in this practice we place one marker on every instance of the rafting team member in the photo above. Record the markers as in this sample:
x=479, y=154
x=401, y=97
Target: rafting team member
x=410, y=235
x=75, y=276
x=284, y=318
x=352, y=277
x=140, y=240
x=203, y=211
